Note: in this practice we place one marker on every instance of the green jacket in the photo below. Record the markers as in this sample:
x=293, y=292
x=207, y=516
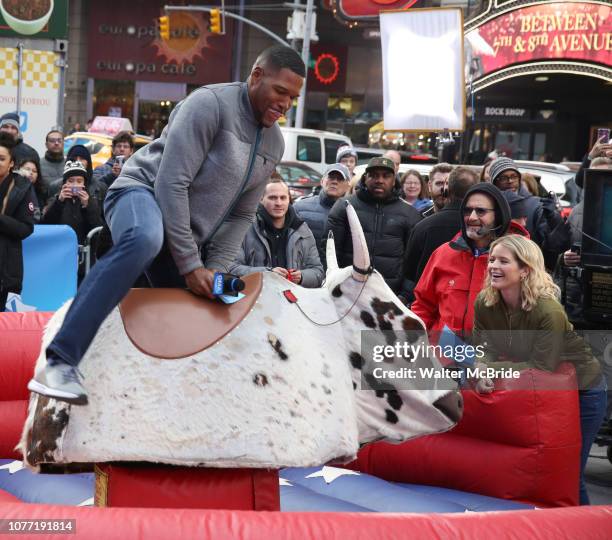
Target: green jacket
x=541, y=338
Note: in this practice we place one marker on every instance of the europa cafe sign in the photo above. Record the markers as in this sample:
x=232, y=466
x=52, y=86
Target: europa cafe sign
x=564, y=30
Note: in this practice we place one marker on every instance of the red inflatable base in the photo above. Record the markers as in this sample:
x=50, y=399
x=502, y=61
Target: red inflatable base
x=164, y=486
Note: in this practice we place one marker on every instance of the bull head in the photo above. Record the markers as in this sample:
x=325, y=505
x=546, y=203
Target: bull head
x=371, y=316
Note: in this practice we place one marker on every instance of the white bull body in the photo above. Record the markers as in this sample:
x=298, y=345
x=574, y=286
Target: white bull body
x=282, y=389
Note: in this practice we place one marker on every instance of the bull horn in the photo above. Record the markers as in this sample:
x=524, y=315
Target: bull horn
x=361, y=256
x=330, y=253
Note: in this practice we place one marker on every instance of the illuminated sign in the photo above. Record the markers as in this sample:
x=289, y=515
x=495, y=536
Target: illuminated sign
x=369, y=9
x=553, y=32
x=326, y=68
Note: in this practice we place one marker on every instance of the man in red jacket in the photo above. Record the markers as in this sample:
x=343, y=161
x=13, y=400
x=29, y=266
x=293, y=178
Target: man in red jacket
x=454, y=275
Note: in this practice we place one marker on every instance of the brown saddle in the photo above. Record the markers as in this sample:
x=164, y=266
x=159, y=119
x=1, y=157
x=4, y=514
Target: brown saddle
x=174, y=323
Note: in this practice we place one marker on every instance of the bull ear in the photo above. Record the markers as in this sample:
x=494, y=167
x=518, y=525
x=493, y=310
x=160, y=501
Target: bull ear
x=330, y=253
x=361, y=255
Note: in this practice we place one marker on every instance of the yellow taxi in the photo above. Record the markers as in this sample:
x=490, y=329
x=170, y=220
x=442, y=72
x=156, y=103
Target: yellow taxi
x=100, y=137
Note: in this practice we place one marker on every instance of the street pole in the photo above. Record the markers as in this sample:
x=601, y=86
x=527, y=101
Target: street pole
x=290, y=116
x=19, y=76
x=299, y=114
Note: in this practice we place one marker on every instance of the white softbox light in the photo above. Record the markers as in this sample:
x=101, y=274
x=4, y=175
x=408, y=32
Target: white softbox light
x=423, y=85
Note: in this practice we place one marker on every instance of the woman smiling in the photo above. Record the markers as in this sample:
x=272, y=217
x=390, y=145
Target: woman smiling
x=520, y=323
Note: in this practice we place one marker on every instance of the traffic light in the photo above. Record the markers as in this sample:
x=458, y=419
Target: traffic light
x=164, y=27
x=215, y=21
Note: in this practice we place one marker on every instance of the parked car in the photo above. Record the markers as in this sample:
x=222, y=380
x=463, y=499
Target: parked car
x=552, y=177
x=366, y=154
x=312, y=147
x=300, y=178
x=99, y=145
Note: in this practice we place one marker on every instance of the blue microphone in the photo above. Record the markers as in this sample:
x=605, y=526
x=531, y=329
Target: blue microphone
x=226, y=284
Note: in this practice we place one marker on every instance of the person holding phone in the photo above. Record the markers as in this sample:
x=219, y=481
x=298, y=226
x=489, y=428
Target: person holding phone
x=122, y=149
x=601, y=148
x=73, y=206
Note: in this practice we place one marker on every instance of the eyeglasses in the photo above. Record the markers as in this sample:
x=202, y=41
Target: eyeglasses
x=480, y=212
x=508, y=178
x=54, y=140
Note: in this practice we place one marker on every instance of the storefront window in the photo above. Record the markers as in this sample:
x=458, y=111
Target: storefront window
x=114, y=98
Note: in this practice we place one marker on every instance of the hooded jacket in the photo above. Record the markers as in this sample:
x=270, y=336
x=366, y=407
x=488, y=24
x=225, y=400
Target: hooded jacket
x=301, y=253
x=454, y=275
x=70, y=212
x=387, y=226
x=16, y=224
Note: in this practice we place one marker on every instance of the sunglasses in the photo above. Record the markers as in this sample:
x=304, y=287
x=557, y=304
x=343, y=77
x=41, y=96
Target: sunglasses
x=508, y=178
x=480, y=212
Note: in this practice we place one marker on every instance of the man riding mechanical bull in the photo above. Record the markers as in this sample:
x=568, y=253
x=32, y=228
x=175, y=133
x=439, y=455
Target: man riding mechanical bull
x=291, y=366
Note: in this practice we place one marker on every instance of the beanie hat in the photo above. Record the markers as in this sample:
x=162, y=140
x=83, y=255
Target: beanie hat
x=74, y=168
x=345, y=151
x=501, y=165
x=518, y=208
x=10, y=119
x=78, y=150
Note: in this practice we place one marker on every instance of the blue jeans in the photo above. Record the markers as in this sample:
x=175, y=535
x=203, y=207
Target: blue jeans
x=592, y=413
x=136, y=225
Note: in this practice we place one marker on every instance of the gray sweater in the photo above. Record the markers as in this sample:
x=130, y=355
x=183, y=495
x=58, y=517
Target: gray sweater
x=199, y=171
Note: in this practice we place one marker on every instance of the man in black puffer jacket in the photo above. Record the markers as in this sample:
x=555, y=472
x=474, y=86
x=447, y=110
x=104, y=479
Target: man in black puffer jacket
x=386, y=219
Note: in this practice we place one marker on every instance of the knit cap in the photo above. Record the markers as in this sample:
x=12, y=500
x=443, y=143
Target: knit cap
x=74, y=168
x=501, y=165
x=10, y=119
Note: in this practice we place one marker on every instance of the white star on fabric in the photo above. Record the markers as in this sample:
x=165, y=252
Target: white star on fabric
x=283, y=482
x=87, y=502
x=329, y=474
x=13, y=467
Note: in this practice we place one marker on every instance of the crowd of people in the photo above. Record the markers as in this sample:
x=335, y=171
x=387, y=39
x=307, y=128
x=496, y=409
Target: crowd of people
x=465, y=251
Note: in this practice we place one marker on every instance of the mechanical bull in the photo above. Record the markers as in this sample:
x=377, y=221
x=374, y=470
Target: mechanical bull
x=276, y=384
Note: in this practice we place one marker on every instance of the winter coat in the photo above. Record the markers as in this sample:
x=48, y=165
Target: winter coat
x=387, y=226
x=255, y=255
x=104, y=173
x=428, y=235
x=455, y=273
x=16, y=224
x=71, y=213
x=541, y=338
x=24, y=152
x=314, y=209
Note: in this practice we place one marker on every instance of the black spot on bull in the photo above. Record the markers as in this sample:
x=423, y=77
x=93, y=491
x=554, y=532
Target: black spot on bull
x=46, y=432
x=394, y=400
x=408, y=323
x=368, y=319
x=277, y=346
x=383, y=308
x=260, y=379
x=337, y=292
x=357, y=360
x=391, y=417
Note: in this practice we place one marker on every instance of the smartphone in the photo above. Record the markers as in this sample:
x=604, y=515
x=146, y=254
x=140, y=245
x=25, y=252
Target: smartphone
x=576, y=248
x=603, y=133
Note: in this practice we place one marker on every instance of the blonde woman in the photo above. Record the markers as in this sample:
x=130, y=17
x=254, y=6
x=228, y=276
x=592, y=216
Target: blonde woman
x=521, y=324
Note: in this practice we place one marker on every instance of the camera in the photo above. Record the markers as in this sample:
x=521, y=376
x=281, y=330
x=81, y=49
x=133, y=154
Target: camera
x=576, y=248
x=75, y=190
x=119, y=160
